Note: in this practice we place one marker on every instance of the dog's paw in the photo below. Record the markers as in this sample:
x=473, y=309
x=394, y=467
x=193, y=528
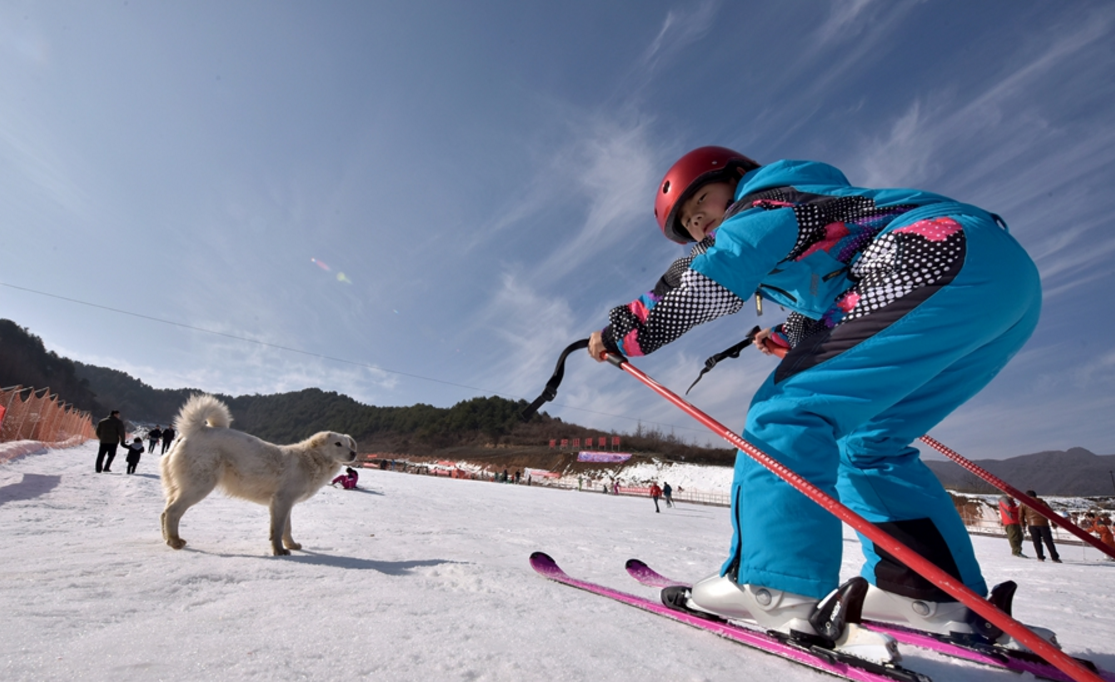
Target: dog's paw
x=176, y=543
x=292, y=545
x=280, y=551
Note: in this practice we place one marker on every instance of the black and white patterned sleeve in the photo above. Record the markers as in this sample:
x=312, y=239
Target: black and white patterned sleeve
x=663, y=315
x=797, y=328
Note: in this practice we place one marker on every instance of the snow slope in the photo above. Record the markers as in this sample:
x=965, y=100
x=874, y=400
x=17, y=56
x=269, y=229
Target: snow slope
x=410, y=578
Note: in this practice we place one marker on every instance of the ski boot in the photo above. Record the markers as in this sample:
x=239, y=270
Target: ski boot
x=949, y=619
x=831, y=623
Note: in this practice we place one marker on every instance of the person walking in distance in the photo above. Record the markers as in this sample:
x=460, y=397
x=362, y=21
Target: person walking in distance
x=153, y=437
x=655, y=493
x=1010, y=517
x=168, y=438
x=110, y=433
x=668, y=493
x=1039, y=529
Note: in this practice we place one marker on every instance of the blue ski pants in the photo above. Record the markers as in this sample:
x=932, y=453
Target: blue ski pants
x=846, y=424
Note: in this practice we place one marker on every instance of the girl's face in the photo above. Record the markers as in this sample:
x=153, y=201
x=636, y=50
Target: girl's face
x=704, y=211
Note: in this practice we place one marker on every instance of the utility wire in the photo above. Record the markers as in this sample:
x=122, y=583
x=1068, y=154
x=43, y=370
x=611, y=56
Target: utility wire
x=319, y=355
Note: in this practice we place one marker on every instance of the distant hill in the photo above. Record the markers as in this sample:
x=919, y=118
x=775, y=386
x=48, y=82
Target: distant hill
x=1075, y=471
x=484, y=429
x=25, y=361
x=136, y=401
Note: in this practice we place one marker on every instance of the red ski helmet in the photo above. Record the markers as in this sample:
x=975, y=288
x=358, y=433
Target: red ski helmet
x=699, y=167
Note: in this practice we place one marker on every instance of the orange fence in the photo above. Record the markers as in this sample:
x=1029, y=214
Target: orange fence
x=35, y=414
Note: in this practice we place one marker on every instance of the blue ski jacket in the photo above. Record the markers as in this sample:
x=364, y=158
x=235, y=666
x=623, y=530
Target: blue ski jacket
x=796, y=234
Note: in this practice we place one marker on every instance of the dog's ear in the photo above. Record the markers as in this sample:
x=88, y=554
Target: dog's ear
x=319, y=439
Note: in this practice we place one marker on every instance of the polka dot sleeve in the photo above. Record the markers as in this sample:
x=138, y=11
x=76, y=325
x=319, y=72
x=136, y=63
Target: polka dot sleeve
x=660, y=317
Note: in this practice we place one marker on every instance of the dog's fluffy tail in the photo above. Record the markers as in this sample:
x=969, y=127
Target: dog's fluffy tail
x=200, y=411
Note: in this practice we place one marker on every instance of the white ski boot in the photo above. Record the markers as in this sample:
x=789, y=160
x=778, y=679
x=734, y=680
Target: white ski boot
x=950, y=619
x=831, y=622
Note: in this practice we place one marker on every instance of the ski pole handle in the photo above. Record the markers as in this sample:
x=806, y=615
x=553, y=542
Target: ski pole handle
x=772, y=348
x=550, y=392
x=775, y=350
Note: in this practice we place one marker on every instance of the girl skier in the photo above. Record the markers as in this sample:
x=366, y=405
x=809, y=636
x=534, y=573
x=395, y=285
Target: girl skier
x=903, y=305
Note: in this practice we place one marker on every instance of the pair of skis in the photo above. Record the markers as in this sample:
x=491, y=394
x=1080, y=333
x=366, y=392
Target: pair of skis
x=994, y=618
x=816, y=657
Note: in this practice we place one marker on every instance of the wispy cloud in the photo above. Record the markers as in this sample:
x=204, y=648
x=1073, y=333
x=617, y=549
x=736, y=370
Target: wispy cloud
x=599, y=182
x=679, y=30
x=941, y=120
x=604, y=170
x=529, y=328
x=841, y=45
x=846, y=21
x=613, y=173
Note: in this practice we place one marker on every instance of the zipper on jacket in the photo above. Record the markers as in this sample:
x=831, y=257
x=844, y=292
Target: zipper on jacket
x=780, y=291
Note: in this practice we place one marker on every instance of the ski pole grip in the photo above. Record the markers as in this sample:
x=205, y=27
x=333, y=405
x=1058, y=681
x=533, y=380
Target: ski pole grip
x=550, y=392
x=615, y=359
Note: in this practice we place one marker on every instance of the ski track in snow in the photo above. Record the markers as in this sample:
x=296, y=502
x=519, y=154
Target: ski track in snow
x=409, y=578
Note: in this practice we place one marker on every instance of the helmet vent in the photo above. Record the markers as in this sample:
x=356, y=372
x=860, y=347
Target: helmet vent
x=666, y=187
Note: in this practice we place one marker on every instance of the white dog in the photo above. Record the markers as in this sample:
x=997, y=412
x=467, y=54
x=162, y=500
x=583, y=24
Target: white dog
x=208, y=453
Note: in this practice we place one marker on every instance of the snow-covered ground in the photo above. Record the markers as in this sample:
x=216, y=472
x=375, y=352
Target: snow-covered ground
x=409, y=578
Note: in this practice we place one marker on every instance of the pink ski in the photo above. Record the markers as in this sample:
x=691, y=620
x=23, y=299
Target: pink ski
x=1017, y=661
x=825, y=660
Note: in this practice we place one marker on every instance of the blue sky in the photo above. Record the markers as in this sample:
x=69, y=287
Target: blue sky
x=483, y=173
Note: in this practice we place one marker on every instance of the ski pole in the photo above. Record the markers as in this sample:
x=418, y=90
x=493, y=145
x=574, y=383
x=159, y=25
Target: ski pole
x=1037, y=505
x=926, y=569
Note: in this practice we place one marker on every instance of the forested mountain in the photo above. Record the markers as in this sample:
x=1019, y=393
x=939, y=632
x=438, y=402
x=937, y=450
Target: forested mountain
x=25, y=361
x=469, y=429
x=136, y=401
x=290, y=417
x=470, y=426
